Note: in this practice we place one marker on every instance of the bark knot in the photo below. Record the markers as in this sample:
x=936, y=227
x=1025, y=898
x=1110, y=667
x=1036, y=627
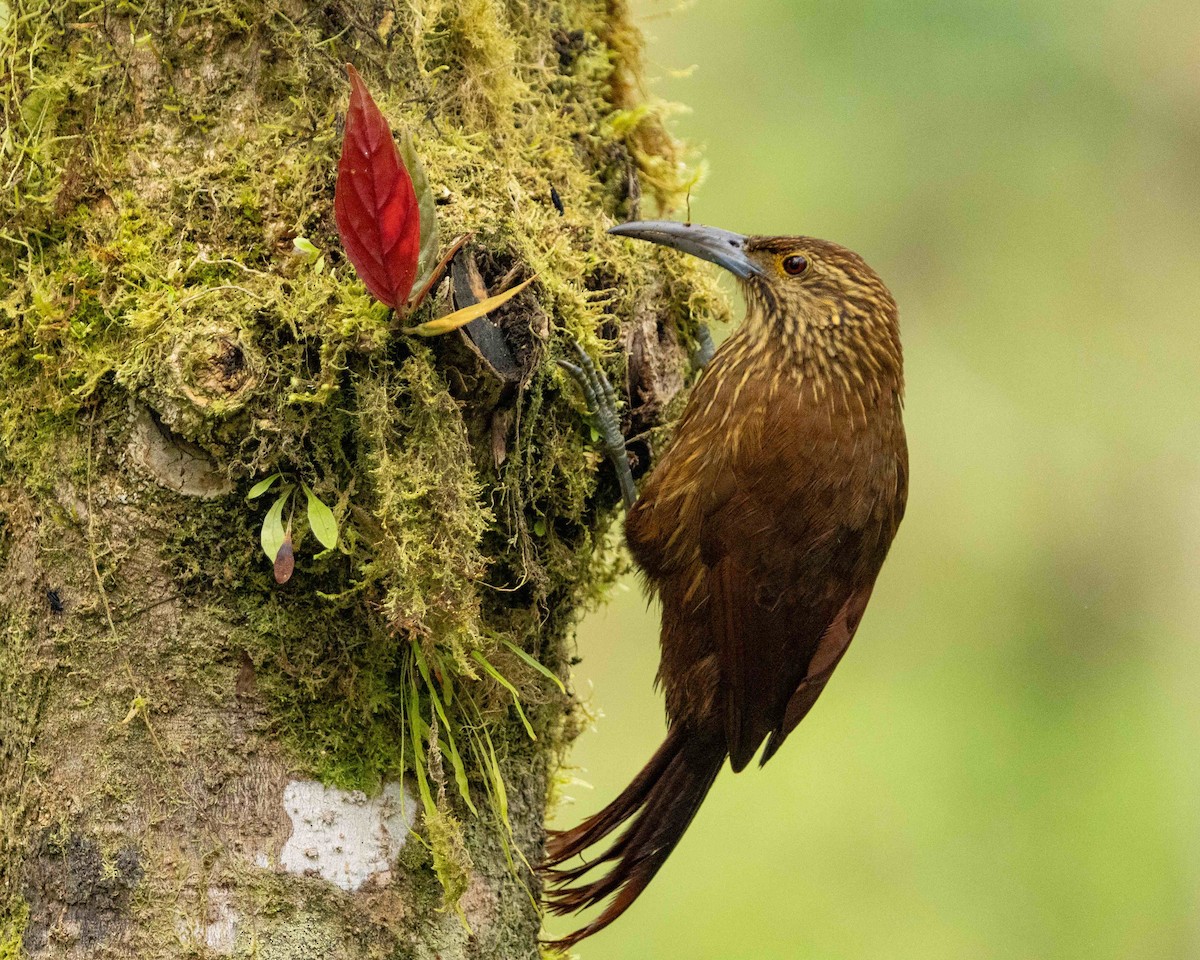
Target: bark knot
x=215, y=369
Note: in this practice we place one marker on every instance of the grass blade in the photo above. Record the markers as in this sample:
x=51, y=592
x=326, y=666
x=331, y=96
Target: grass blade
x=533, y=663
x=498, y=677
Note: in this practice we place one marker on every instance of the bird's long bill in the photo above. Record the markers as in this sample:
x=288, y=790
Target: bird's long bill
x=721, y=247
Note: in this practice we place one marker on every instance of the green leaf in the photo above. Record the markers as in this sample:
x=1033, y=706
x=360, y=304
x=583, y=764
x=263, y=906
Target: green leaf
x=460, y=771
x=262, y=486
x=414, y=731
x=491, y=766
x=535, y=664
x=321, y=520
x=273, y=533
x=426, y=205
x=303, y=247
x=447, y=687
x=422, y=665
x=499, y=678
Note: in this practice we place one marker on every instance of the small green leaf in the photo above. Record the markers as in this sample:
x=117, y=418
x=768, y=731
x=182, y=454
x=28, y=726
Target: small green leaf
x=303, y=247
x=414, y=732
x=492, y=768
x=321, y=520
x=447, y=688
x=427, y=258
x=539, y=527
x=273, y=534
x=262, y=486
x=422, y=664
x=460, y=771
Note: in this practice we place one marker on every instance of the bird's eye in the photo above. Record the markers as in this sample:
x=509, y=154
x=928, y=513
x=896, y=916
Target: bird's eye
x=795, y=264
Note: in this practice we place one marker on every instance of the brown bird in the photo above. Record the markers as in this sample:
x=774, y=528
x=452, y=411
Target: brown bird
x=761, y=530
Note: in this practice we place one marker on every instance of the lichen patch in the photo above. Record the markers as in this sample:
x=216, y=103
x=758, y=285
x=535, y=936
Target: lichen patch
x=219, y=929
x=78, y=895
x=344, y=836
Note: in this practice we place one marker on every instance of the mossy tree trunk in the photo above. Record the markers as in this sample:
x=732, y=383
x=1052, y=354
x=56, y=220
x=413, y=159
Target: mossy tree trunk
x=195, y=761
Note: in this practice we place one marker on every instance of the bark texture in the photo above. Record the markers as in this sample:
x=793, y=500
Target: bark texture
x=194, y=761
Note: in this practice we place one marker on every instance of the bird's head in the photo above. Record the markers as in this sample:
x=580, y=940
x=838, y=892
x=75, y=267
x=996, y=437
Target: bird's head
x=819, y=299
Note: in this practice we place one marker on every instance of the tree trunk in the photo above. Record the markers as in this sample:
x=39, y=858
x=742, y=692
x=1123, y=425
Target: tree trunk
x=194, y=760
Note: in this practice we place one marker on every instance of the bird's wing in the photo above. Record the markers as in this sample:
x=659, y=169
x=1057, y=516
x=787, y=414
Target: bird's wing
x=791, y=557
x=746, y=676
x=775, y=622
x=832, y=645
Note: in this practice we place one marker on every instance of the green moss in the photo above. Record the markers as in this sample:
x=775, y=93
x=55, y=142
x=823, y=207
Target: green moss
x=20, y=684
x=12, y=929
x=451, y=859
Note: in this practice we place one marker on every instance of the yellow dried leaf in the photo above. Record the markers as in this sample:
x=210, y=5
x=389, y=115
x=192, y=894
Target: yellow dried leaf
x=460, y=318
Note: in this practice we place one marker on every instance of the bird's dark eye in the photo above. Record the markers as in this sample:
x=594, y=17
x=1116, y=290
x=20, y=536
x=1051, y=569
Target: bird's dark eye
x=795, y=264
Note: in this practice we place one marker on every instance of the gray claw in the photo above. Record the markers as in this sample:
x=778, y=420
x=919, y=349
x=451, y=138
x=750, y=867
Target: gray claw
x=705, y=348
x=602, y=404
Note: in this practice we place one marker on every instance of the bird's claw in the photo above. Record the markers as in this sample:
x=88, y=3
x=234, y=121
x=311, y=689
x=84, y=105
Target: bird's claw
x=601, y=400
x=705, y=348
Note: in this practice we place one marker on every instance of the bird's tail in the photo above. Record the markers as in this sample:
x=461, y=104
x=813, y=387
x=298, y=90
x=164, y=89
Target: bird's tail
x=660, y=802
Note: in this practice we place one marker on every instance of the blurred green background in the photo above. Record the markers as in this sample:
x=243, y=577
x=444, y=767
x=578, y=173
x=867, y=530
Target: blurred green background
x=1005, y=765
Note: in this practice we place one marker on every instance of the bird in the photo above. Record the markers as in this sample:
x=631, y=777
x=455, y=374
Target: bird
x=761, y=530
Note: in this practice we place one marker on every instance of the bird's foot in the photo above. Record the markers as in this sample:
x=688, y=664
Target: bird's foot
x=602, y=407
x=705, y=348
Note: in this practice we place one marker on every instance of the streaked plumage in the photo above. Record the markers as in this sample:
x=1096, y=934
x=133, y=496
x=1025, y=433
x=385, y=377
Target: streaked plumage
x=762, y=530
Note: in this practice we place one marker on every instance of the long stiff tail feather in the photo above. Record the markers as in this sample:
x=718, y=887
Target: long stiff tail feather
x=661, y=802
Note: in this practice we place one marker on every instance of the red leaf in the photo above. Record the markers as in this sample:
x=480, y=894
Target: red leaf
x=374, y=202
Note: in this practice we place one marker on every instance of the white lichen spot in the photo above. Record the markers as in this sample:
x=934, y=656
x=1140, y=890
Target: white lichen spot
x=217, y=928
x=220, y=933
x=344, y=836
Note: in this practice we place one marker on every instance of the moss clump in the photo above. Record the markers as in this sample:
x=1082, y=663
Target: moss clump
x=12, y=929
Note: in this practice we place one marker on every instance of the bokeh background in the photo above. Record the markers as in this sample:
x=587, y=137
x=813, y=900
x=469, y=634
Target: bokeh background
x=1007, y=763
